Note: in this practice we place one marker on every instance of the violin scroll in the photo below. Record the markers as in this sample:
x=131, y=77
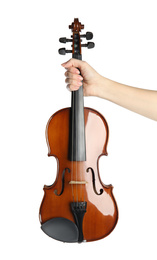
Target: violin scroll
x=76, y=26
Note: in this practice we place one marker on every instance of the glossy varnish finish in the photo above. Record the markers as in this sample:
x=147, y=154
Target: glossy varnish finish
x=101, y=213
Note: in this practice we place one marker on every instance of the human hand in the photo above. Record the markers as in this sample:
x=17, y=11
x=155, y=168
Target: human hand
x=89, y=77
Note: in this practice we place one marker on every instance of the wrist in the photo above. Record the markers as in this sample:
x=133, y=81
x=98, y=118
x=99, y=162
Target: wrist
x=99, y=88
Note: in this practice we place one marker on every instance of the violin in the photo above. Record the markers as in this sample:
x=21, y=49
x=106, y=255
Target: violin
x=77, y=207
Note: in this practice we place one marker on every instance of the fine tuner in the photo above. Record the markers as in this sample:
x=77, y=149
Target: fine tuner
x=74, y=40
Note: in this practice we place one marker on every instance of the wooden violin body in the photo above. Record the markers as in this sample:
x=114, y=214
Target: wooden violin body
x=77, y=206
x=101, y=212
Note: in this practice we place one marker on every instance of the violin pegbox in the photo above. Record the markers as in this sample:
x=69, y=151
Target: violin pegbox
x=76, y=39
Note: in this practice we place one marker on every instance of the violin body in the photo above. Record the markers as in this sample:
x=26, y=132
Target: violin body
x=101, y=212
x=77, y=207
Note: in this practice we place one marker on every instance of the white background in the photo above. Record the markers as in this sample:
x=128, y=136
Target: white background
x=32, y=88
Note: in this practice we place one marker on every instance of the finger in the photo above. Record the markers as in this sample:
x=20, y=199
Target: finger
x=73, y=70
x=71, y=87
x=73, y=63
x=73, y=82
x=70, y=75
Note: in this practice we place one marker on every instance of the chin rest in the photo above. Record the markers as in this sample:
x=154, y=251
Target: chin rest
x=61, y=229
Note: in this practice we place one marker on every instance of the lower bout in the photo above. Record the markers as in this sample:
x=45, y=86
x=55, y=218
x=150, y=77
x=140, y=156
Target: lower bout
x=91, y=220
x=96, y=225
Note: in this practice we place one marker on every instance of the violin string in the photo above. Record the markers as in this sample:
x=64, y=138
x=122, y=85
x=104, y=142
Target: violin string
x=72, y=157
x=84, y=164
x=76, y=145
x=82, y=172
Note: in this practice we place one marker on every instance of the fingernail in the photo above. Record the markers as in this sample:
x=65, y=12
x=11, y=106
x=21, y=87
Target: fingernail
x=77, y=71
x=63, y=65
x=79, y=83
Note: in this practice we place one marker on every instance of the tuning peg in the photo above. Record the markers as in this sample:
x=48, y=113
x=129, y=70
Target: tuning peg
x=63, y=51
x=89, y=45
x=64, y=40
x=88, y=36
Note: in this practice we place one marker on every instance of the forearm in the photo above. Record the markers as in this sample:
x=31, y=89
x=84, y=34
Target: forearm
x=141, y=101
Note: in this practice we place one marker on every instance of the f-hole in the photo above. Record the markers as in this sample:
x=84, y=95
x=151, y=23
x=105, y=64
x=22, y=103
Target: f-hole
x=62, y=189
x=93, y=180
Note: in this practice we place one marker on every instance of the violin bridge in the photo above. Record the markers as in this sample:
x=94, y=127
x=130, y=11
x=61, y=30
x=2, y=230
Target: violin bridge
x=78, y=182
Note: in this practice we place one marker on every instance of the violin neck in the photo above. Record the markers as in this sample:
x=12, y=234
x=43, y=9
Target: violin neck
x=77, y=144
